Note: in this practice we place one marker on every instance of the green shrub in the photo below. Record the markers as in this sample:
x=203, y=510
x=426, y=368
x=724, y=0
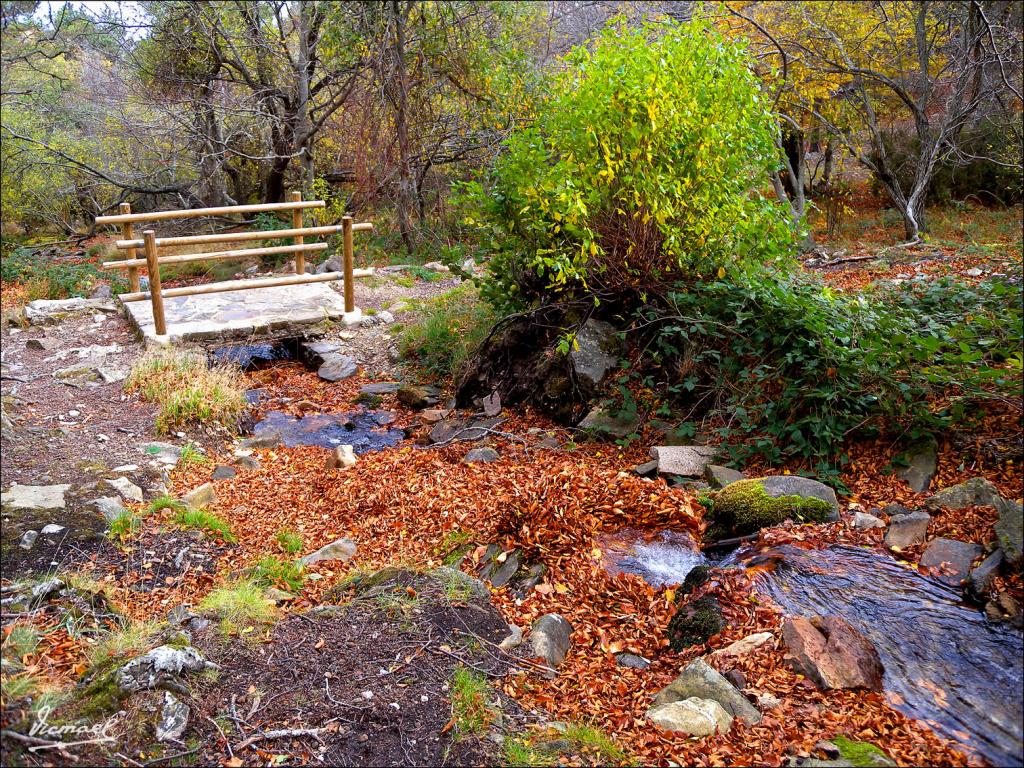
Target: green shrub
x=450, y=327
x=647, y=161
x=188, y=391
x=49, y=279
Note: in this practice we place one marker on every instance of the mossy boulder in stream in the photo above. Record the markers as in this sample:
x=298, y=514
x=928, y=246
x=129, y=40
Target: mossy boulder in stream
x=694, y=623
x=747, y=506
x=861, y=754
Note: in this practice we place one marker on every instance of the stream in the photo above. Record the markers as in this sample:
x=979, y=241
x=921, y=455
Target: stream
x=944, y=663
x=363, y=430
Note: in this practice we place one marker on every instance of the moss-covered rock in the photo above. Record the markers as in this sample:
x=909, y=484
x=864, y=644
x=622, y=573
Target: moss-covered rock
x=746, y=506
x=694, y=623
x=861, y=754
x=695, y=578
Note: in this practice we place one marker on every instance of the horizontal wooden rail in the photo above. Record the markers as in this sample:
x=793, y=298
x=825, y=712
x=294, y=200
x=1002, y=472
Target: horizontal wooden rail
x=193, y=213
x=244, y=253
x=235, y=285
x=228, y=237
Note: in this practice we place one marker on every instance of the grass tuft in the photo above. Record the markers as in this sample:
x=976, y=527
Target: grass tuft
x=202, y=520
x=289, y=541
x=470, y=709
x=275, y=572
x=450, y=328
x=238, y=606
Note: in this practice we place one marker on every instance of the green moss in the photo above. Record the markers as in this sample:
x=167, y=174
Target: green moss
x=861, y=754
x=745, y=507
x=694, y=579
x=101, y=694
x=694, y=623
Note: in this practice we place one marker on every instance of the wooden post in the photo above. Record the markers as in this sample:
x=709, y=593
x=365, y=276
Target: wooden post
x=350, y=298
x=153, y=265
x=126, y=234
x=300, y=258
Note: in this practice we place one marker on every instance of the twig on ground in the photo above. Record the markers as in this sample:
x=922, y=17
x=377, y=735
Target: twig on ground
x=284, y=733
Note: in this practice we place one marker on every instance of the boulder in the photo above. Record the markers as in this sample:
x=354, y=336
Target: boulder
x=746, y=506
x=829, y=651
x=907, y=530
x=173, y=718
x=719, y=476
x=1009, y=532
x=695, y=623
x=31, y=498
x=951, y=559
x=161, y=667
x=549, y=638
x=201, y=496
x=337, y=367
x=481, y=455
x=593, y=354
x=923, y=462
x=602, y=421
x=745, y=646
x=693, y=716
x=983, y=573
x=684, y=460
x=977, y=490
x=699, y=680
x=864, y=521
x=342, y=549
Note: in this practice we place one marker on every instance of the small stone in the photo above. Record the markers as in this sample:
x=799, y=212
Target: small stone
x=951, y=559
x=223, y=472
x=983, y=573
x=342, y=549
x=647, y=468
x=200, y=497
x=34, y=497
x=683, y=460
x=44, y=343
x=173, y=718
x=694, y=716
x=514, y=639
x=337, y=367
x=864, y=521
x=907, y=530
x=973, y=272
x=492, y=404
x=342, y=457
x=603, y=422
x=162, y=667
x=829, y=651
x=381, y=388
x=737, y=678
x=52, y=529
x=28, y=540
x=632, y=661
x=701, y=680
x=247, y=462
x=167, y=454
x=74, y=414
x=746, y=645
x=481, y=455
x=549, y=637
x=719, y=476
x=433, y=415
x=110, y=507
x=102, y=438
x=923, y=464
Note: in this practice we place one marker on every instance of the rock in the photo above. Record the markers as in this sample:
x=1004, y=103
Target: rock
x=492, y=404
x=983, y=573
x=746, y=506
x=746, y=645
x=161, y=667
x=128, y=490
x=924, y=457
x=864, y=521
x=693, y=716
x=1009, y=531
x=342, y=457
x=167, y=454
x=436, y=266
x=695, y=623
x=102, y=292
x=700, y=680
x=549, y=638
x=450, y=575
x=829, y=651
x=973, y=272
x=459, y=429
x=343, y=549
x=600, y=420
x=646, y=469
x=434, y=415
x=337, y=367
x=381, y=388
x=110, y=507
x=247, y=462
x=632, y=661
x=417, y=398
x=265, y=438
x=1004, y=608
x=736, y=678
x=482, y=455
x=201, y=496
x=315, y=353
x=719, y=476
x=44, y=311
x=766, y=701
x=697, y=577
x=45, y=343
x=501, y=568
x=977, y=490
x=513, y=640
x=278, y=595
x=52, y=529
x=951, y=559
x=592, y=354
x=332, y=264
x=907, y=530
x=223, y=472
x=33, y=497
x=173, y=719
x=28, y=539
x=684, y=460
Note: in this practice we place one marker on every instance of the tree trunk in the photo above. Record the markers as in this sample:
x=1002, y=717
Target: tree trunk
x=404, y=202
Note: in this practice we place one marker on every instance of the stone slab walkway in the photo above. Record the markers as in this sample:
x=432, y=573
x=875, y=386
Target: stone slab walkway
x=240, y=314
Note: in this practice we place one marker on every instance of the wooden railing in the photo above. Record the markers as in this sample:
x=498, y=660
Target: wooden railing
x=151, y=245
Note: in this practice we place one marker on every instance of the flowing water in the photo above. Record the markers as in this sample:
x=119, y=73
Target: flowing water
x=944, y=663
x=363, y=430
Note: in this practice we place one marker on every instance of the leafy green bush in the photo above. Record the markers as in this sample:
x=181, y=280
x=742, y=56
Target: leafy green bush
x=451, y=326
x=48, y=279
x=646, y=163
x=792, y=368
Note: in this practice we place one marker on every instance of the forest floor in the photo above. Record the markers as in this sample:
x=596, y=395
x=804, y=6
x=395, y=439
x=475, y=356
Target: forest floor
x=358, y=666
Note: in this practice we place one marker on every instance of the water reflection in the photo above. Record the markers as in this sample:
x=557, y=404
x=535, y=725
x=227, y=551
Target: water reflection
x=363, y=430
